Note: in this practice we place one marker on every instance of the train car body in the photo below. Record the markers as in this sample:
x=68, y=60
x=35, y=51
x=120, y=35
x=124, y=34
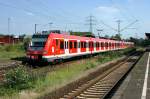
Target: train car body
x=53, y=46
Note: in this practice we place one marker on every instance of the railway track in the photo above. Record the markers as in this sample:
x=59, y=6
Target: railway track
x=5, y=67
x=99, y=87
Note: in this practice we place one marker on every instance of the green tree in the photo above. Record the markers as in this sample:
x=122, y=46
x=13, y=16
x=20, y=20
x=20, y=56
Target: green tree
x=26, y=42
x=117, y=37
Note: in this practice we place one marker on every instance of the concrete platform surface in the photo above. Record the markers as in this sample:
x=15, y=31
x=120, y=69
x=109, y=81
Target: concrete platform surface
x=137, y=84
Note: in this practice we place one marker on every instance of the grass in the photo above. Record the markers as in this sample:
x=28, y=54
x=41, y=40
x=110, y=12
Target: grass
x=8, y=52
x=61, y=76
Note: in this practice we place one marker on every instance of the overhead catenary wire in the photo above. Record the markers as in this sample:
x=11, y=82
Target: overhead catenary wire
x=23, y=9
x=121, y=12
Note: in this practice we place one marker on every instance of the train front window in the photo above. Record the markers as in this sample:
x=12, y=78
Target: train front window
x=38, y=41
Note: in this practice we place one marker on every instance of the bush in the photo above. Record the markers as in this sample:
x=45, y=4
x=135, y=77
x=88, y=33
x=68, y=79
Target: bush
x=15, y=47
x=26, y=43
x=18, y=78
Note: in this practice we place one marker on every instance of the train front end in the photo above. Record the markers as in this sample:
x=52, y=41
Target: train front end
x=37, y=48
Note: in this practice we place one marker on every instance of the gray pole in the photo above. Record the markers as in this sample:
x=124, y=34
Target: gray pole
x=91, y=28
x=35, y=28
x=118, y=21
x=50, y=24
x=9, y=30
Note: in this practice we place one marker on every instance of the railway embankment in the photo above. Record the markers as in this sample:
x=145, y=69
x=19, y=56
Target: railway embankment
x=46, y=82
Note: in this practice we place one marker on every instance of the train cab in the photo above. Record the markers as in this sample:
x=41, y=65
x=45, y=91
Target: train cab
x=37, y=46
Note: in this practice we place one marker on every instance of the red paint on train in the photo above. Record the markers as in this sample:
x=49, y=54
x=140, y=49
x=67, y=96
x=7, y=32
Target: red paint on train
x=54, y=46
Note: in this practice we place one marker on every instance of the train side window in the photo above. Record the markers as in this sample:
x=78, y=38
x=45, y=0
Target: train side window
x=118, y=44
x=65, y=45
x=102, y=44
x=91, y=44
x=106, y=44
x=99, y=44
x=70, y=45
x=56, y=42
x=84, y=44
x=61, y=44
x=75, y=44
x=96, y=44
x=78, y=44
x=87, y=45
x=81, y=44
x=109, y=44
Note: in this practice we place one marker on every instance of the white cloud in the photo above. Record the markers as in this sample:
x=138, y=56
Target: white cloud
x=107, y=9
x=30, y=13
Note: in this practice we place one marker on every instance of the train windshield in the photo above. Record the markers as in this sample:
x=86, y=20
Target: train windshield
x=38, y=41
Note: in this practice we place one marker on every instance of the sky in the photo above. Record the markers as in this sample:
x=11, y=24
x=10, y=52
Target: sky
x=74, y=15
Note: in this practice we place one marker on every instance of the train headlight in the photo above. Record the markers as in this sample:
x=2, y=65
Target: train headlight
x=44, y=52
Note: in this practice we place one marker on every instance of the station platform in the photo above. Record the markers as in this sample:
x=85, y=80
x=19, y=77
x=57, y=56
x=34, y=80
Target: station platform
x=137, y=84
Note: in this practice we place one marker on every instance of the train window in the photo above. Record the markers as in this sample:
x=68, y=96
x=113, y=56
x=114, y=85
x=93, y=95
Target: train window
x=102, y=44
x=61, y=44
x=65, y=45
x=92, y=44
x=89, y=45
x=56, y=42
x=70, y=45
x=97, y=44
x=118, y=44
x=109, y=44
x=75, y=44
x=81, y=44
x=106, y=44
x=84, y=44
x=78, y=44
x=40, y=44
x=39, y=36
x=115, y=44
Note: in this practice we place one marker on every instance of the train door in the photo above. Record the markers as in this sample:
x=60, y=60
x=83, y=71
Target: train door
x=97, y=46
x=78, y=46
x=66, y=47
x=61, y=46
x=54, y=47
x=74, y=46
x=91, y=46
x=70, y=46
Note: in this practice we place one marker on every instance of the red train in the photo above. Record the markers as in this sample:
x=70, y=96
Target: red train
x=53, y=46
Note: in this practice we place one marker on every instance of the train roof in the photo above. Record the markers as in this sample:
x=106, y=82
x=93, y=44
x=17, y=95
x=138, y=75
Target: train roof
x=65, y=35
